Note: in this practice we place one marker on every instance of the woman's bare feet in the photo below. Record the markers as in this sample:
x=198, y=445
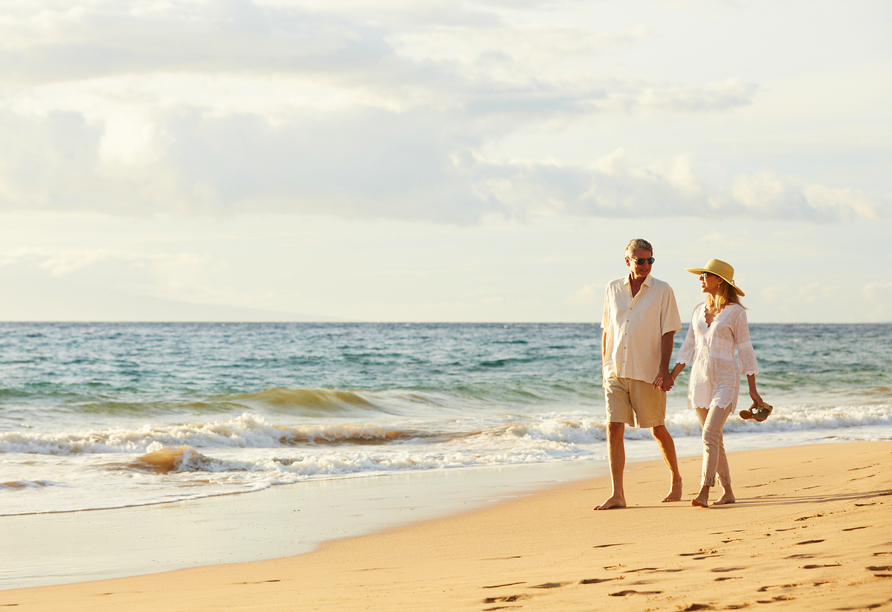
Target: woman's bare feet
x=726, y=498
x=702, y=499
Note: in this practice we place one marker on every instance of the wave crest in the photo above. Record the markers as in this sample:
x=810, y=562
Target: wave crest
x=24, y=484
x=315, y=400
x=246, y=431
x=167, y=459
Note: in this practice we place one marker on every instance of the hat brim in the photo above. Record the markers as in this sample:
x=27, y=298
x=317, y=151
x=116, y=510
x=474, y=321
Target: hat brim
x=699, y=271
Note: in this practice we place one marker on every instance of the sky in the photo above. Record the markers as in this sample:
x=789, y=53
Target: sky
x=415, y=160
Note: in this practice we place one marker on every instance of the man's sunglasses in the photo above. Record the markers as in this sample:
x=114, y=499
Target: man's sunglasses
x=642, y=260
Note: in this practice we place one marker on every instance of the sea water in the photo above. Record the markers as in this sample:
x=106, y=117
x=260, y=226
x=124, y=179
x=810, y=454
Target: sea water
x=112, y=415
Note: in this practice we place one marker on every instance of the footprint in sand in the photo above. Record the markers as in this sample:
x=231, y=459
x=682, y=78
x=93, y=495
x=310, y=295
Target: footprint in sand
x=499, y=586
x=701, y=554
x=774, y=599
x=633, y=592
x=506, y=599
x=510, y=598
x=772, y=587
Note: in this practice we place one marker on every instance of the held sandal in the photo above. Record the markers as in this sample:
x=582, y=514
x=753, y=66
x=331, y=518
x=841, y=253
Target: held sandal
x=759, y=414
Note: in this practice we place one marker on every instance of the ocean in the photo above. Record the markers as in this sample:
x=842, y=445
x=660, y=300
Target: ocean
x=112, y=415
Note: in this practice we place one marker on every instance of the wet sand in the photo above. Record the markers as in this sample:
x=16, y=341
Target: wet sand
x=812, y=529
x=282, y=521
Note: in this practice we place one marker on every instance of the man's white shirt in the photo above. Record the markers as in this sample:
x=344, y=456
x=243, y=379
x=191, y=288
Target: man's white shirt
x=634, y=327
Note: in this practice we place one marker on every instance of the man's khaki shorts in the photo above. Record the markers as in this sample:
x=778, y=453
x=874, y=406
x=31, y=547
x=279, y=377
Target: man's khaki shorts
x=634, y=402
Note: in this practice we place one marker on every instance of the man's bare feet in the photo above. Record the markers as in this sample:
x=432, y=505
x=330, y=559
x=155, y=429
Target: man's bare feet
x=674, y=492
x=615, y=501
x=727, y=498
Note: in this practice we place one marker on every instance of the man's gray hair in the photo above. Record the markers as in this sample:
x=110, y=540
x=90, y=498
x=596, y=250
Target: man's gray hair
x=638, y=243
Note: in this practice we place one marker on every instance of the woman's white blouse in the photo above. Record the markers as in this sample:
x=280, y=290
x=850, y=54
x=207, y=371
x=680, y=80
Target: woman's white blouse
x=715, y=374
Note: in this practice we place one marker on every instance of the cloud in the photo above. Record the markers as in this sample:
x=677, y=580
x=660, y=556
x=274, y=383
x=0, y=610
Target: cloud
x=617, y=186
x=175, y=274
x=587, y=297
x=877, y=299
x=380, y=110
x=419, y=165
x=46, y=41
x=440, y=55
x=845, y=203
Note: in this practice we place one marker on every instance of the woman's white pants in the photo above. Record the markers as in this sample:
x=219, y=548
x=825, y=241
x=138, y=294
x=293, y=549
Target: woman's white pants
x=714, y=460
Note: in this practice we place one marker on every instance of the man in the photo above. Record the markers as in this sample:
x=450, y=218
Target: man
x=639, y=324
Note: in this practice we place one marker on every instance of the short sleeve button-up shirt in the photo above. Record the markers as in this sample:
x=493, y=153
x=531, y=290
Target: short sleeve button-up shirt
x=634, y=327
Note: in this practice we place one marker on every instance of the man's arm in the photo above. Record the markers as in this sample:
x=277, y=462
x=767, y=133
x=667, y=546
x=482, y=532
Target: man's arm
x=664, y=378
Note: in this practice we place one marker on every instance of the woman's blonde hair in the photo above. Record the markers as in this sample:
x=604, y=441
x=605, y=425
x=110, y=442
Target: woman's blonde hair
x=726, y=295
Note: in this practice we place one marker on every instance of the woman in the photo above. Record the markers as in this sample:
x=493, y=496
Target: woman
x=718, y=325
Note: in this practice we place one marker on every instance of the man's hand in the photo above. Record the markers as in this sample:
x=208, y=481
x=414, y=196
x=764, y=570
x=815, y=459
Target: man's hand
x=664, y=380
x=665, y=377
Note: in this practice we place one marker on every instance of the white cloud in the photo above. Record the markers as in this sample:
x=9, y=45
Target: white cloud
x=846, y=203
x=439, y=120
x=416, y=165
x=878, y=299
x=66, y=262
x=587, y=297
x=368, y=111
x=180, y=275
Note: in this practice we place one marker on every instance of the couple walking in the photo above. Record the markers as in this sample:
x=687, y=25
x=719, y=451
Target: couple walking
x=639, y=324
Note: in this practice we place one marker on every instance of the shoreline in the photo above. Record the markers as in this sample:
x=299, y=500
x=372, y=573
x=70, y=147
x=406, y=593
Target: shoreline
x=281, y=521
x=812, y=528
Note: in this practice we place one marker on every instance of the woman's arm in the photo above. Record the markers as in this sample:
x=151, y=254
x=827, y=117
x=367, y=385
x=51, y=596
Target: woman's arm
x=751, y=381
x=672, y=376
x=745, y=352
x=677, y=370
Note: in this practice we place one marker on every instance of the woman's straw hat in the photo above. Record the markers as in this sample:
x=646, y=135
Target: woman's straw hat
x=721, y=269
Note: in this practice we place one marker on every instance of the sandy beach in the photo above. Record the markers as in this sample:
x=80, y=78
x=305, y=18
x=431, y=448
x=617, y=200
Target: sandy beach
x=812, y=529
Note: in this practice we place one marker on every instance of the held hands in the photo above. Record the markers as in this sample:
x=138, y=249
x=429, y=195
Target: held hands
x=664, y=381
